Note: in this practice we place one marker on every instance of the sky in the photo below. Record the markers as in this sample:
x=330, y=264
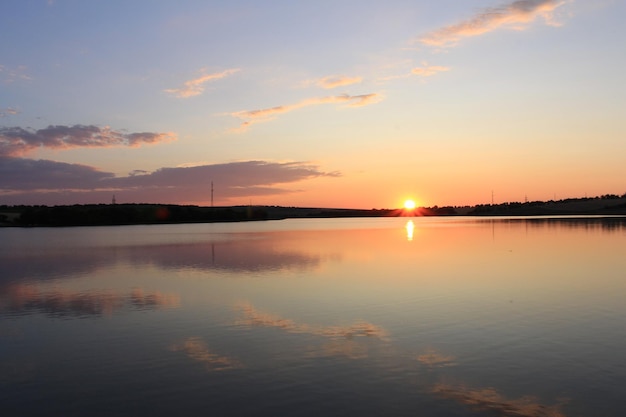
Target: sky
x=342, y=103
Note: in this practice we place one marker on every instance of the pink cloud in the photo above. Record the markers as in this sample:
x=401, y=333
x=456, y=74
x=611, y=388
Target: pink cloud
x=338, y=81
x=196, y=86
x=429, y=70
x=250, y=117
x=10, y=75
x=17, y=141
x=8, y=111
x=515, y=15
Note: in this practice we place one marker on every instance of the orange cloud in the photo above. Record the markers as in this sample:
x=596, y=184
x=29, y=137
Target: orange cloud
x=516, y=15
x=335, y=81
x=429, y=70
x=250, y=117
x=196, y=86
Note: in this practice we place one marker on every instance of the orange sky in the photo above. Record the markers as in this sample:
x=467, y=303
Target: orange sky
x=442, y=102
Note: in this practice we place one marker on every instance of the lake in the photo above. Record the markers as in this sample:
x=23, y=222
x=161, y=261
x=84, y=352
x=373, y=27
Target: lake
x=396, y=316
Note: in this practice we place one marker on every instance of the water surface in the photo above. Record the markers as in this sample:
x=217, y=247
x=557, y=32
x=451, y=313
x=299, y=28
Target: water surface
x=310, y=317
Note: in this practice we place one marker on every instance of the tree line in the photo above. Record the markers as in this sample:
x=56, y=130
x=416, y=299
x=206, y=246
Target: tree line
x=124, y=214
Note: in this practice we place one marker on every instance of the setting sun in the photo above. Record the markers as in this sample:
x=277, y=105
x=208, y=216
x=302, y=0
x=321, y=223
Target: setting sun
x=409, y=204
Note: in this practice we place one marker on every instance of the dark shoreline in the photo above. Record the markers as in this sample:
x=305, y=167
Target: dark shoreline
x=130, y=214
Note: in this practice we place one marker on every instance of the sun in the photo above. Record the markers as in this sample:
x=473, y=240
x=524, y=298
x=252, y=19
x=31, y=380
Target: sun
x=409, y=204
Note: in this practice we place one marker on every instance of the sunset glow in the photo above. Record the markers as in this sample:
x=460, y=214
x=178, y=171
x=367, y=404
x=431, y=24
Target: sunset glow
x=459, y=100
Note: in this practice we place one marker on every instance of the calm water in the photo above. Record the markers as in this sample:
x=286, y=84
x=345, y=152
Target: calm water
x=316, y=317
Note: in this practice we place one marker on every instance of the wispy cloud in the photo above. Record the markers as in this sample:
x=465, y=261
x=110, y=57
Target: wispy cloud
x=335, y=81
x=515, y=15
x=9, y=75
x=197, y=85
x=428, y=70
x=250, y=117
x=27, y=181
x=17, y=141
x=8, y=111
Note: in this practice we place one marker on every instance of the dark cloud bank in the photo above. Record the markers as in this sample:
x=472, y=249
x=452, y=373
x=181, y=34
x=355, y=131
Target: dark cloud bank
x=29, y=181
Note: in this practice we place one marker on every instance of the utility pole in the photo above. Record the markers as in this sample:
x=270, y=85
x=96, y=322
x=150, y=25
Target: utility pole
x=211, y=194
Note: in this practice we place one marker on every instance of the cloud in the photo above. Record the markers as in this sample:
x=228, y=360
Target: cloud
x=428, y=70
x=10, y=75
x=22, y=175
x=8, y=111
x=17, y=141
x=515, y=15
x=250, y=117
x=138, y=172
x=196, y=86
x=235, y=175
x=26, y=181
x=335, y=81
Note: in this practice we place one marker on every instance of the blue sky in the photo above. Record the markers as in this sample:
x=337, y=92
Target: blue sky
x=343, y=103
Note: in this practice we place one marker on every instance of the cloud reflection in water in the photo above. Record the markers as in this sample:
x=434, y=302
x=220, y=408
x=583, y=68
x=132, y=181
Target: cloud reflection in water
x=434, y=359
x=344, y=344
x=257, y=318
x=235, y=257
x=57, y=302
x=197, y=350
x=345, y=341
x=488, y=399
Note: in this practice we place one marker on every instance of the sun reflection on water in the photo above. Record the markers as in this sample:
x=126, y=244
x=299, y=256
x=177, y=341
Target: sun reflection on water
x=410, y=227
